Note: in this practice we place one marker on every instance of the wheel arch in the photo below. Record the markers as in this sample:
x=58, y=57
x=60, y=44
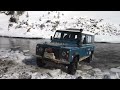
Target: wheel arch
x=77, y=55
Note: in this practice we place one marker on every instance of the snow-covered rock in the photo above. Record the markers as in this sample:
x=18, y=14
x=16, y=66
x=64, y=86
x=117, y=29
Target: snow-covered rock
x=86, y=67
x=118, y=67
x=56, y=72
x=116, y=70
x=96, y=70
x=106, y=76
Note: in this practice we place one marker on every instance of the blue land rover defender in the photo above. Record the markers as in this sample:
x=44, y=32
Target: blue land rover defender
x=67, y=47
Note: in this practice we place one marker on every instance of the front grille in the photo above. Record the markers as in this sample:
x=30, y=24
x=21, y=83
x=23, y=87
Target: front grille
x=55, y=51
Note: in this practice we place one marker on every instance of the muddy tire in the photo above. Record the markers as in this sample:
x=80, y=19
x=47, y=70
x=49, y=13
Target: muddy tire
x=89, y=59
x=40, y=62
x=72, y=67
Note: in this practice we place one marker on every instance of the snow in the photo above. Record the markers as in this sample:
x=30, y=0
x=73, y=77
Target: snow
x=33, y=30
x=107, y=38
x=86, y=67
x=115, y=70
x=12, y=62
x=13, y=67
x=96, y=70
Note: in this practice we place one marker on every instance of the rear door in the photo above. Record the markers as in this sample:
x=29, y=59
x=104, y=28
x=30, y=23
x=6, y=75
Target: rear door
x=83, y=47
x=89, y=44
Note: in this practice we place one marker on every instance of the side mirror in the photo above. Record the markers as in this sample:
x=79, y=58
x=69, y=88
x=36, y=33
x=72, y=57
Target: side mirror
x=51, y=38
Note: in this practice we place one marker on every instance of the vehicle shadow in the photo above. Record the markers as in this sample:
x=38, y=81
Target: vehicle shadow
x=30, y=61
x=49, y=65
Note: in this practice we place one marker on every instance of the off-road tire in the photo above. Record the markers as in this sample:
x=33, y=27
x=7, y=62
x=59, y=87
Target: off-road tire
x=40, y=62
x=72, y=67
x=89, y=59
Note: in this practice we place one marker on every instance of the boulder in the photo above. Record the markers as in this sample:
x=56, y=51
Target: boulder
x=115, y=70
x=79, y=77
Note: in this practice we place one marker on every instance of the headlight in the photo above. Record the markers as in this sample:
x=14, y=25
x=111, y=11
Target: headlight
x=49, y=50
x=64, y=53
x=40, y=49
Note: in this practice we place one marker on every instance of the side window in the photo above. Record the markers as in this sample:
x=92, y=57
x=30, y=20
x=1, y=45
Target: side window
x=83, y=39
x=89, y=39
x=66, y=36
x=76, y=36
x=57, y=35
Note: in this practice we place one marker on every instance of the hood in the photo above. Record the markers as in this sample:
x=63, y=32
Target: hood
x=57, y=44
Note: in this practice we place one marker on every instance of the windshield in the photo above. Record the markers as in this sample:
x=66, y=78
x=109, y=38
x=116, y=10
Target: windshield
x=66, y=35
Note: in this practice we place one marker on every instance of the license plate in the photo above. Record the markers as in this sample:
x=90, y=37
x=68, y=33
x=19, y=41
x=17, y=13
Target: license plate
x=49, y=55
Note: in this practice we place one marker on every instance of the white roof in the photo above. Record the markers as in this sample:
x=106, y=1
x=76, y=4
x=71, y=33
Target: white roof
x=86, y=32
x=78, y=30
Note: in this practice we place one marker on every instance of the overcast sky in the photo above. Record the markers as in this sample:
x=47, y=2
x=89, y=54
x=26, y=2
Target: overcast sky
x=110, y=16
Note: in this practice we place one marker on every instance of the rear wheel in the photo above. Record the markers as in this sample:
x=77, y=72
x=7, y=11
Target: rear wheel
x=73, y=66
x=40, y=62
x=89, y=59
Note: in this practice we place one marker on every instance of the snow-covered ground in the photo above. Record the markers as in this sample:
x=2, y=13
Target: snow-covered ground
x=107, y=38
x=18, y=64
x=15, y=64
x=42, y=24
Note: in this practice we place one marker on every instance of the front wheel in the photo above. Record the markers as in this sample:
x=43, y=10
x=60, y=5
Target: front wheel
x=40, y=62
x=73, y=66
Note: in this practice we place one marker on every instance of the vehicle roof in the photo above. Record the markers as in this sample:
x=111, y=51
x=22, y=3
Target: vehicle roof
x=77, y=30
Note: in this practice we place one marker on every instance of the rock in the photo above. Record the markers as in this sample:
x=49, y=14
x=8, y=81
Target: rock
x=96, y=70
x=91, y=72
x=86, y=76
x=118, y=67
x=106, y=77
x=115, y=76
x=15, y=48
x=115, y=70
x=54, y=73
x=79, y=77
x=26, y=51
x=49, y=74
x=78, y=71
x=26, y=54
x=25, y=75
x=86, y=67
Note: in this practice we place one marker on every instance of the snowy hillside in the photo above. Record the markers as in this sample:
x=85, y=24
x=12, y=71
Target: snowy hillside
x=42, y=24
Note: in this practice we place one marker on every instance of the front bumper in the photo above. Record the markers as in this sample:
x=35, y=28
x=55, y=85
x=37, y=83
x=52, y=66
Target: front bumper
x=53, y=60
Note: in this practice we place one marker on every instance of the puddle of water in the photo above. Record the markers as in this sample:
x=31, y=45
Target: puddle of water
x=24, y=44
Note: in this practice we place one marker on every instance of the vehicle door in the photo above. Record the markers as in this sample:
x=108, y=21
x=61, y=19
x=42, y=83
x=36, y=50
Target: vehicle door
x=83, y=45
x=89, y=44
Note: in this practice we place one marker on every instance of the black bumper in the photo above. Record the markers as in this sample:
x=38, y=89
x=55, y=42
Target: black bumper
x=53, y=60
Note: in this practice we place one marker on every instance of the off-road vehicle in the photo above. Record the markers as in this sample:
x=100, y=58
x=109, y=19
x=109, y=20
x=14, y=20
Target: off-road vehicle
x=67, y=47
